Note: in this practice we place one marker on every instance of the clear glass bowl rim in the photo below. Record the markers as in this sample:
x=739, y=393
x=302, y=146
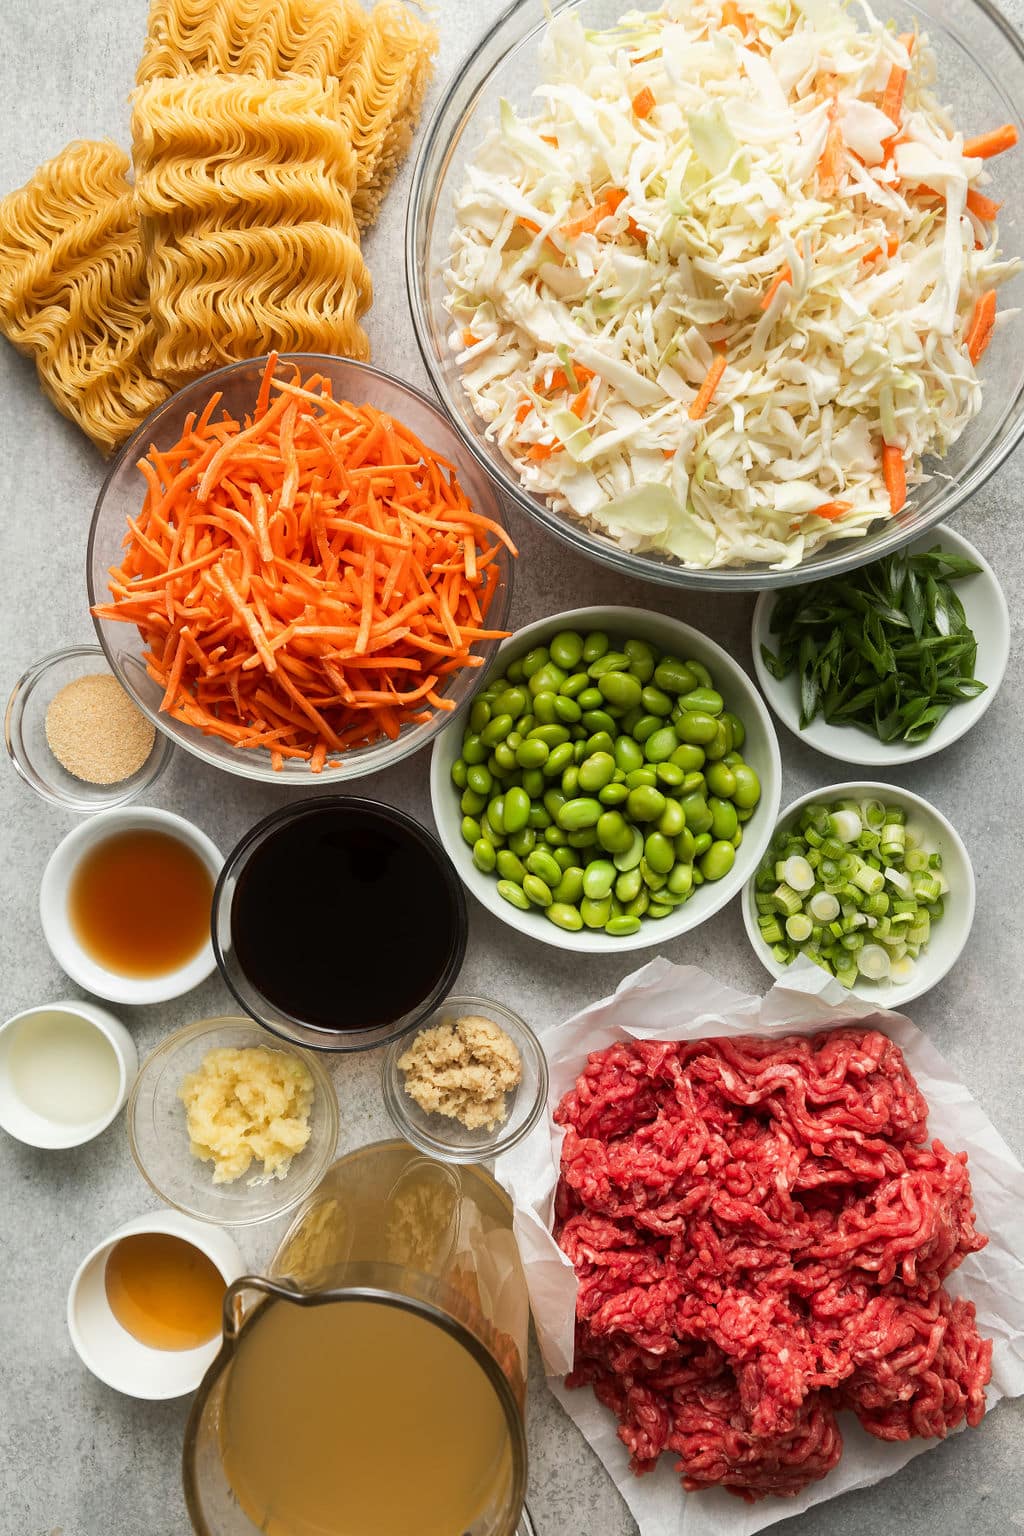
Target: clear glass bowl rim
x=722, y=579
x=247, y=764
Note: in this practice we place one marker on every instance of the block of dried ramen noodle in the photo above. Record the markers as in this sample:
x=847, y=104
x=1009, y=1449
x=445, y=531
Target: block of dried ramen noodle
x=242, y=189
x=270, y=38
x=73, y=293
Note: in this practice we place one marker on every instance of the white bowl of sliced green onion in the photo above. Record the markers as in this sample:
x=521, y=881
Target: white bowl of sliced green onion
x=892, y=671
x=869, y=882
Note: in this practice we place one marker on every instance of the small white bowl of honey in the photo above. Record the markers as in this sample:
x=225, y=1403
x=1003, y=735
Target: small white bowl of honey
x=146, y=1305
x=125, y=904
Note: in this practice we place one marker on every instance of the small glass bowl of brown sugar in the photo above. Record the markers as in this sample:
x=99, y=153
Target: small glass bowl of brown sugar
x=77, y=737
x=468, y=1084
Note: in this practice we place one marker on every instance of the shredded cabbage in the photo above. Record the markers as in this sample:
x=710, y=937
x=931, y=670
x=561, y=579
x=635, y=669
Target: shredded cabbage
x=765, y=206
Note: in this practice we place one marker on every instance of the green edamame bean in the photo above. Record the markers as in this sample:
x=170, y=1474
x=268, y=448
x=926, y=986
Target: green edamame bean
x=596, y=771
x=737, y=837
x=632, y=855
x=646, y=727
x=659, y=853
x=739, y=730
x=496, y=730
x=723, y=819
x=559, y=759
x=544, y=865
x=470, y=803
x=700, y=672
x=534, y=660
x=567, y=649
x=516, y=812
x=571, y=782
x=653, y=879
x=504, y=760
x=544, y=709
x=638, y=906
x=620, y=689
x=598, y=879
x=594, y=720
x=613, y=794
x=595, y=913
x=514, y=671
x=548, y=680
x=656, y=702
x=721, y=780
x=696, y=727
x=701, y=844
x=748, y=787
x=698, y=816
x=692, y=783
x=534, y=782
x=470, y=830
x=660, y=745
x=574, y=685
x=510, y=866
x=590, y=698
x=579, y=746
x=638, y=776
x=564, y=916
x=550, y=735
x=555, y=837
x=487, y=832
x=613, y=833
x=539, y=818
x=669, y=776
x=707, y=700
x=688, y=757
x=565, y=857
x=536, y=891
x=719, y=746
x=628, y=755
x=680, y=879
x=595, y=645
x=532, y=754
x=717, y=861
x=579, y=813
x=479, y=715
x=601, y=741
x=645, y=803
x=685, y=846
x=495, y=813
x=621, y=927
x=479, y=779
x=460, y=773
x=629, y=884
x=570, y=888
x=672, y=819
x=642, y=659
x=511, y=701
x=554, y=799
x=523, y=842
x=673, y=676
x=744, y=812
x=583, y=841
x=611, y=661
x=484, y=855
x=566, y=710
x=658, y=909
x=473, y=750
x=513, y=894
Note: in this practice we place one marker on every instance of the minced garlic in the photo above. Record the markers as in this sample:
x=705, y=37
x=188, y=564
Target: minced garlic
x=462, y=1069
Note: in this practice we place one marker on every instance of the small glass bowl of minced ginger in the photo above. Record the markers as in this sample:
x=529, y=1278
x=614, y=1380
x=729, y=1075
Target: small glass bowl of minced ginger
x=468, y=1083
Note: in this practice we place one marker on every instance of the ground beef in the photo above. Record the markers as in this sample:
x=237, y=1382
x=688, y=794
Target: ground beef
x=760, y=1232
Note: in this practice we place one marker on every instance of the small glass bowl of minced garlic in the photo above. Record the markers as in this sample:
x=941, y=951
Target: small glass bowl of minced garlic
x=468, y=1083
x=76, y=736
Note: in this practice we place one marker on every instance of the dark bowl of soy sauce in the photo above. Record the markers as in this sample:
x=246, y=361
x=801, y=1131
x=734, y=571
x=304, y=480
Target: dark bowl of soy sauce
x=339, y=923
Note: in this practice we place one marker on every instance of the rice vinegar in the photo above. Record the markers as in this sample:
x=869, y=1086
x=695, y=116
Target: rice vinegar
x=357, y=1418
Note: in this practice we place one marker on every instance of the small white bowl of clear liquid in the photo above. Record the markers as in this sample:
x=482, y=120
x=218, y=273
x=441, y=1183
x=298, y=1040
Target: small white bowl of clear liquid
x=65, y=1073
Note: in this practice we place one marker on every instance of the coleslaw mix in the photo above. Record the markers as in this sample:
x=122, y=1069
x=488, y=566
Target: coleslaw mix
x=719, y=294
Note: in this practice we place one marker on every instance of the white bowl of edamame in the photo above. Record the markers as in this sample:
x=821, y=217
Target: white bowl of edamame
x=873, y=880
x=615, y=785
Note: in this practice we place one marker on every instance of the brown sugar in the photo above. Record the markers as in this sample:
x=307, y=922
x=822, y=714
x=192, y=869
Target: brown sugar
x=95, y=731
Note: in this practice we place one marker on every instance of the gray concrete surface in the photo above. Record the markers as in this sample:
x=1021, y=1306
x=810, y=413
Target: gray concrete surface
x=77, y=1459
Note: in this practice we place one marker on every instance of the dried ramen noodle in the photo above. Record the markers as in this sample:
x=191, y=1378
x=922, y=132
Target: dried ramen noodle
x=253, y=253
x=269, y=38
x=73, y=291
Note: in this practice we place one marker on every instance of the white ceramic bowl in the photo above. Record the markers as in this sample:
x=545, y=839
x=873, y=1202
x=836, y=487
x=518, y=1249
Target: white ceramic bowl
x=109, y=1351
x=949, y=934
x=56, y=919
x=761, y=751
x=988, y=616
x=18, y=1119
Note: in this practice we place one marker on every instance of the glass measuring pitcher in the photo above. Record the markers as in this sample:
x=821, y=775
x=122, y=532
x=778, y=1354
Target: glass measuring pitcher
x=373, y=1383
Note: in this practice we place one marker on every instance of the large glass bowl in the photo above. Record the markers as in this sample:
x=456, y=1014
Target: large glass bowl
x=981, y=80
x=121, y=497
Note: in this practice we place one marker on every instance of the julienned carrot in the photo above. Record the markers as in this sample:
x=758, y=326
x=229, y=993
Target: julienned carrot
x=892, y=245
x=833, y=510
x=992, y=143
x=984, y=208
x=644, y=102
x=895, y=476
x=732, y=16
x=982, y=323
x=706, y=393
x=785, y=276
x=305, y=580
x=588, y=222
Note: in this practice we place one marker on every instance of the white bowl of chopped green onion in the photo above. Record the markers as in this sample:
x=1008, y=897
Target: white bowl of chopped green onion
x=896, y=684
x=869, y=882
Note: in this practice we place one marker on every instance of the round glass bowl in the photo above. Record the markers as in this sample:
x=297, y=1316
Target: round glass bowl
x=378, y=901
x=446, y=1138
x=158, y=1136
x=25, y=735
x=981, y=81
x=121, y=497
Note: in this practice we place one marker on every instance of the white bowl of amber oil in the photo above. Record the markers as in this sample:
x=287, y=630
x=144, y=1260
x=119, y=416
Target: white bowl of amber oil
x=146, y=1305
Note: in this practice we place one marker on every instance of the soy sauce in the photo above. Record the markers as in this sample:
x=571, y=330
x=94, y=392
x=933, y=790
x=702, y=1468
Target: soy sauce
x=346, y=915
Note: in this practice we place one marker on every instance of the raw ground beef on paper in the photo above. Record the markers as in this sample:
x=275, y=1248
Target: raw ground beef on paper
x=760, y=1231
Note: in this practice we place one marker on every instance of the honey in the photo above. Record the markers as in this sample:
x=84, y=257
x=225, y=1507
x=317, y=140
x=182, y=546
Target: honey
x=163, y=1291
x=139, y=903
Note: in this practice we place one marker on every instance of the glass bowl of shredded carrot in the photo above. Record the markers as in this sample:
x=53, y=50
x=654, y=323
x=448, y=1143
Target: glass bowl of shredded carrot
x=295, y=568
x=724, y=293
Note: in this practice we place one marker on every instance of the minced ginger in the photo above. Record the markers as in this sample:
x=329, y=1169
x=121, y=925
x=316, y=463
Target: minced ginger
x=463, y=1069
x=246, y=1105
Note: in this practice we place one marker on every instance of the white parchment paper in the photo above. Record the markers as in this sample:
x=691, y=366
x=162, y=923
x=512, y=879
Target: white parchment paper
x=669, y=1002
